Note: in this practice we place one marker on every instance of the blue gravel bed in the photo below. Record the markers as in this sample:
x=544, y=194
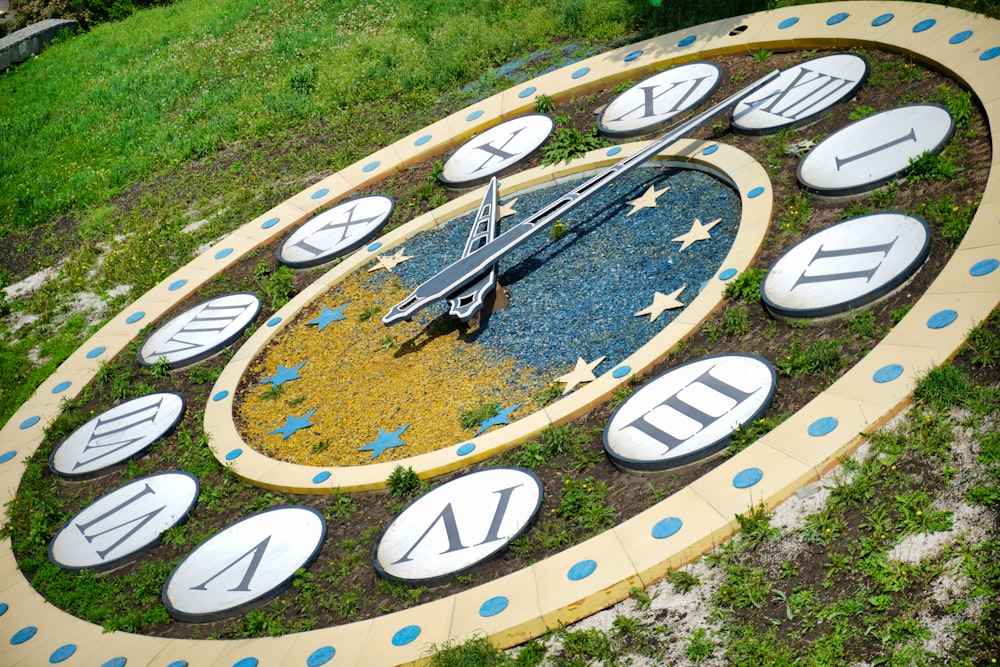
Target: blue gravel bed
x=577, y=297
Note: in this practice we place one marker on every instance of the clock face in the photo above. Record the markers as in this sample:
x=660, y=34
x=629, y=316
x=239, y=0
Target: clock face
x=659, y=229
x=568, y=585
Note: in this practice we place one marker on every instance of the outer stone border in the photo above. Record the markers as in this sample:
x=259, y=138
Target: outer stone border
x=599, y=572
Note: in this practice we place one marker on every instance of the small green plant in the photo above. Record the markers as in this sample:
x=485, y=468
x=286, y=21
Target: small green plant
x=959, y=103
x=734, y=322
x=544, y=104
x=761, y=55
x=558, y=230
x=820, y=357
x=983, y=342
x=369, y=313
x=341, y=507
x=160, y=368
x=402, y=482
x=796, y=211
x=699, y=646
x=385, y=343
x=885, y=197
x=641, y=597
x=303, y=80
x=583, y=504
x=749, y=433
x=548, y=395
x=897, y=315
x=683, y=581
x=859, y=112
x=719, y=129
x=931, y=167
x=862, y=324
x=275, y=286
x=273, y=393
x=321, y=446
x=471, y=418
x=910, y=72
x=953, y=218
x=746, y=286
x=568, y=143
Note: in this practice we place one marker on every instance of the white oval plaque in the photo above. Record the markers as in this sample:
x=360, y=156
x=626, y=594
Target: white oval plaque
x=200, y=332
x=873, y=151
x=117, y=435
x=846, y=265
x=800, y=94
x=496, y=151
x=122, y=524
x=336, y=231
x=652, y=103
x=689, y=412
x=458, y=525
x=244, y=565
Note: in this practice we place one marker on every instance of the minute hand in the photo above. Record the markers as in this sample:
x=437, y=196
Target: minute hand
x=470, y=267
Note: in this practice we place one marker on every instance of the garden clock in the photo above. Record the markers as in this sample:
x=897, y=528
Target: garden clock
x=594, y=574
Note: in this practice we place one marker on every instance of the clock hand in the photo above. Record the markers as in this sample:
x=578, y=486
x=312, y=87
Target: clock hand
x=470, y=267
x=470, y=300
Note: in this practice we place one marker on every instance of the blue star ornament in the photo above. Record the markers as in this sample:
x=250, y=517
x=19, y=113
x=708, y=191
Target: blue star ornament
x=328, y=316
x=385, y=441
x=293, y=424
x=283, y=375
x=502, y=417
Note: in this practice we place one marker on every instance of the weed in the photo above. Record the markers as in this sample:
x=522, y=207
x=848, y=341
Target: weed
x=203, y=374
x=959, y=103
x=160, y=368
x=558, y=230
x=624, y=392
x=641, y=597
x=746, y=286
x=953, y=219
x=583, y=647
x=544, y=104
x=475, y=652
x=932, y=167
x=747, y=434
x=320, y=446
x=761, y=55
x=276, y=285
x=820, y=357
x=530, y=455
x=734, y=322
x=719, y=129
x=859, y=112
x=548, y=395
x=942, y=387
x=369, y=313
x=341, y=507
x=568, y=142
x=862, y=324
x=683, y=582
x=755, y=527
x=699, y=646
x=983, y=343
x=622, y=86
x=273, y=393
x=473, y=417
x=796, y=211
x=403, y=482
x=303, y=80
x=897, y=315
x=583, y=504
x=386, y=343
x=885, y=197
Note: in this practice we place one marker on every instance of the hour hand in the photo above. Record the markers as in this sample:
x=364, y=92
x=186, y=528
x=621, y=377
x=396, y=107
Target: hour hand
x=468, y=301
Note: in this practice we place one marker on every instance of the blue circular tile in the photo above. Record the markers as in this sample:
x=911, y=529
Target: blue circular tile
x=466, y=449
x=744, y=479
x=61, y=387
x=274, y=321
x=3, y=608
x=321, y=477
x=405, y=635
x=887, y=373
x=635, y=55
x=474, y=115
x=321, y=656
x=62, y=653
x=422, y=140
x=990, y=54
x=135, y=317
x=234, y=454
x=7, y=456
x=96, y=352
x=614, y=150
x=984, y=267
x=371, y=166
x=942, y=319
x=711, y=149
x=219, y=395
x=621, y=372
x=788, y=23
x=580, y=73
x=493, y=606
x=225, y=252
x=727, y=274
x=178, y=663
x=271, y=222
x=581, y=570
x=755, y=192
x=664, y=528
x=249, y=661
x=687, y=41
x=375, y=246
x=837, y=18
x=882, y=20
x=926, y=24
x=822, y=426
x=30, y=421
x=530, y=90
x=322, y=192
x=176, y=285
x=23, y=635
x=115, y=662
x=960, y=37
